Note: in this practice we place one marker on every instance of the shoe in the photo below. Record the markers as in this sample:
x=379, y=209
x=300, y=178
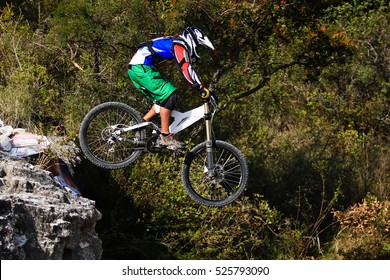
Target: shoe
x=169, y=142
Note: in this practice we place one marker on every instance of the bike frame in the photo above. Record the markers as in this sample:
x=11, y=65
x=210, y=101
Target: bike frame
x=181, y=121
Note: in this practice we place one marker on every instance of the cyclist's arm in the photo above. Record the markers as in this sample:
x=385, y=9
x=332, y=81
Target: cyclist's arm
x=183, y=61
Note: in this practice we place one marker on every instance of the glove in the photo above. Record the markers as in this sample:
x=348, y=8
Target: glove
x=205, y=93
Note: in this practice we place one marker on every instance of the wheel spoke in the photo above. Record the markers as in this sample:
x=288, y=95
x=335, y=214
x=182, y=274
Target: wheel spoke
x=228, y=179
x=97, y=138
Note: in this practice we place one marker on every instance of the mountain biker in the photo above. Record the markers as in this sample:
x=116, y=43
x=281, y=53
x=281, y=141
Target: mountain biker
x=145, y=76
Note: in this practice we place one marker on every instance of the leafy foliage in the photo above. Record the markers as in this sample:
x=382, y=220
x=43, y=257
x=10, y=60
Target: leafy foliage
x=365, y=229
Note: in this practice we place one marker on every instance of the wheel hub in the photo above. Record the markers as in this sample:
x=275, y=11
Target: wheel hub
x=217, y=175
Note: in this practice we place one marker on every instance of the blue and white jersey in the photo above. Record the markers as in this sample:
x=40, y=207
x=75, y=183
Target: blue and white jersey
x=167, y=48
x=162, y=47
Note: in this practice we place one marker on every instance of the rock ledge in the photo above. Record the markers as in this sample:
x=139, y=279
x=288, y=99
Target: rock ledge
x=39, y=220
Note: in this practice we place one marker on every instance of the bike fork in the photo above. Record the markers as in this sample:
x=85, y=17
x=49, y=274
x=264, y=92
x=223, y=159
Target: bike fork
x=209, y=140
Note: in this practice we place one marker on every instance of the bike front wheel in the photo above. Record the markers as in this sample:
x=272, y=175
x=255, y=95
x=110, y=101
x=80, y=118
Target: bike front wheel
x=221, y=185
x=99, y=141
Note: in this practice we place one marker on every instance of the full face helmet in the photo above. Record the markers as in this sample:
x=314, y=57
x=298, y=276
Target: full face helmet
x=195, y=40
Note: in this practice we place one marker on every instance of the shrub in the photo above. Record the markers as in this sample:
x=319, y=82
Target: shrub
x=365, y=230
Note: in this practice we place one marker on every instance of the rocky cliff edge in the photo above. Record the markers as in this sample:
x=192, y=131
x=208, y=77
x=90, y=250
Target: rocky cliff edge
x=40, y=220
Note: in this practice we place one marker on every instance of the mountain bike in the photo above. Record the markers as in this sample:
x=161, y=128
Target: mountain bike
x=214, y=173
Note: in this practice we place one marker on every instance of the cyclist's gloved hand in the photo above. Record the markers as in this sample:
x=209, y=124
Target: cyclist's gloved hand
x=205, y=93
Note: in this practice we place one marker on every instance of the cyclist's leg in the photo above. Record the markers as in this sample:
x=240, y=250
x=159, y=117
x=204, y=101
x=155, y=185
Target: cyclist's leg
x=136, y=74
x=165, y=115
x=151, y=114
x=166, y=108
x=149, y=81
x=155, y=87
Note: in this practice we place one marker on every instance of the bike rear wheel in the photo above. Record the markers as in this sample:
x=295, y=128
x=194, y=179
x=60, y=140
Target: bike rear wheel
x=101, y=145
x=228, y=178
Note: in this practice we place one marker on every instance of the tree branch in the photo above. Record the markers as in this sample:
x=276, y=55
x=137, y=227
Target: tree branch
x=265, y=78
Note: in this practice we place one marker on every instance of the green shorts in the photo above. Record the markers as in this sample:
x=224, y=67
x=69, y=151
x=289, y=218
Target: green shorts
x=149, y=81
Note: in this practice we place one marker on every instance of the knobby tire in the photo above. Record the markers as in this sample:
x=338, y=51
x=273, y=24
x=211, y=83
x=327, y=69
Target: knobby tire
x=230, y=174
x=95, y=131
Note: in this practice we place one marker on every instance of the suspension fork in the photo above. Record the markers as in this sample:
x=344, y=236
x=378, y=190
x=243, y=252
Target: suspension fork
x=209, y=139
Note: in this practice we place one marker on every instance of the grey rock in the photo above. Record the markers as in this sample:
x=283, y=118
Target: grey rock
x=39, y=220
